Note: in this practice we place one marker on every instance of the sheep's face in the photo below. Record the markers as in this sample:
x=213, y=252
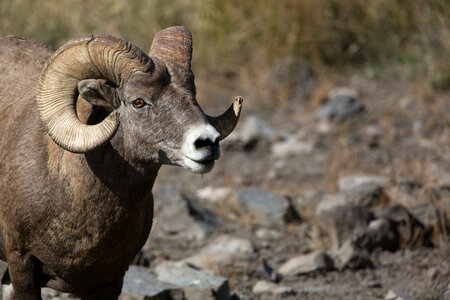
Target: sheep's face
x=160, y=120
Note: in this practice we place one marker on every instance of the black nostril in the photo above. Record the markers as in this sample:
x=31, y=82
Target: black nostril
x=205, y=143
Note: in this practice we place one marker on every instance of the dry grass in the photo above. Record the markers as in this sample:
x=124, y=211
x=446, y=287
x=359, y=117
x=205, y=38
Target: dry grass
x=232, y=36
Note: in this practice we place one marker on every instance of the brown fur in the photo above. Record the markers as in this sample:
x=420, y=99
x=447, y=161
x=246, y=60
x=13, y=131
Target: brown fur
x=74, y=222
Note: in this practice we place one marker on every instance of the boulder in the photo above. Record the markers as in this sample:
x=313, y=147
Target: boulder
x=268, y=234
x=342, y=223
x=267, y=207
x=178, y=216
x=291, y=146
x=223, y=251
x=369, y=195
x=354, y=181
x=396, y=294
x=308, y=263
x=140, y=284
x=409, y=230
x=252, y=132
x=213, y=194
x=267, y=287
x=341, y=104
x=196, y=284
x=351, y=256
x=381, y=233
x=434, y=219
x=408, y=184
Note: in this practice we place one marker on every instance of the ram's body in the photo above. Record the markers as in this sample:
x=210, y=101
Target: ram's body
x=69, y=221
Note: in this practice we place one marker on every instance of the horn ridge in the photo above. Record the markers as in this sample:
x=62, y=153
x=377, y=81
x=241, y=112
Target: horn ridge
x=89, y=56
x=173, y=44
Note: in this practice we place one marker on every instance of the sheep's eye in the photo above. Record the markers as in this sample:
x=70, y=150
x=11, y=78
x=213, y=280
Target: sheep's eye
x=138, y=103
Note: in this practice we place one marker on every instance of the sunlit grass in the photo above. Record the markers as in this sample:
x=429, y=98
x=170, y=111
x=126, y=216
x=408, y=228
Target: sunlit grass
x=233, y=35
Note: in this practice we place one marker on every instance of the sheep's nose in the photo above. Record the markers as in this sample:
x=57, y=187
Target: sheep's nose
x=201, y=143
x=209, y=145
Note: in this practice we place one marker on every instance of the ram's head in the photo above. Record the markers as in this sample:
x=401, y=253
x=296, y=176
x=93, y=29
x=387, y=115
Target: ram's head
x=148, y=101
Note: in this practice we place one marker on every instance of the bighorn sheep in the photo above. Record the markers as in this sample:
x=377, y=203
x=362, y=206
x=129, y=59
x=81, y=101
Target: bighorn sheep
x=76, y=176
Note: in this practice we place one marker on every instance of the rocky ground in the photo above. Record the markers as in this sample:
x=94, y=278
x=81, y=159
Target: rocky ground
x=340, y=192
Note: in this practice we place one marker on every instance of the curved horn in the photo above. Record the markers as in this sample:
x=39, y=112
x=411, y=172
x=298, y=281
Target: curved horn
x=173, y=44
x=226, y=122
x=91, y=56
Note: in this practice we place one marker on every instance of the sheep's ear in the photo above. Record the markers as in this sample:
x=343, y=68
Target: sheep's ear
x=100, y=93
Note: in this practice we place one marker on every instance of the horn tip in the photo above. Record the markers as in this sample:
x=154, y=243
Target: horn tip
x=237, y=105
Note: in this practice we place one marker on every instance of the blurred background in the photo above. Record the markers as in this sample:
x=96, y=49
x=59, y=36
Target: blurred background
x=336, y=183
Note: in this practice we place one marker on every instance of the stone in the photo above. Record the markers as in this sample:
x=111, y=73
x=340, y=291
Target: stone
x=354, y=181
x=268, y=234
x=410, y=231
x=369, y=195
x=140, y=284
x=351, y=256
x=213, y=194
x=291, y=146
x=342, y=223
x=343, y=91
x=434, y=219
x=271, y=273
x=341, y=105
x=395, y=294
x=223, y=251
x=308, y=263
x=51, y=294
x=379, y=234
x=447, y=292
x=263, y=286
x=196, y=284
x=408, y=184
x=403, y=195
x=267, y=207
x=178, y=216
x=247, y=136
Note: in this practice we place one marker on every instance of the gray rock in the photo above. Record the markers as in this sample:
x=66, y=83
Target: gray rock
x=404, y=195
x=380, y=234
x=139, y=284
x=343, y=223
x=50, y=294
x=441, y=192
x=341, y=104
x=268, y=234
x=408, y=184
x=263, y=286
x=350, y=256
x=352, y=182
x=197, y=284
x=223, y=251
x=267, y=207
x=291, y=146
x=369, y=195
x=308, y=263
x=410, y=231
x=178, y=216
x=395, y=294
x=252, y=131
x=447, y=292
x=213, y=194
x=434, y=219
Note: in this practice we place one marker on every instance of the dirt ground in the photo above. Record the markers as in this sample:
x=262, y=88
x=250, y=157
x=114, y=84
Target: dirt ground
x=411, y=139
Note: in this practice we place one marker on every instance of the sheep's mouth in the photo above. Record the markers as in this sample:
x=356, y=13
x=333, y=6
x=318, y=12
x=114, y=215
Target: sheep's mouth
x=198, y=166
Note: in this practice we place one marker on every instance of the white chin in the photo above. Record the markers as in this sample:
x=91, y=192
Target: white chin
x=198, y=167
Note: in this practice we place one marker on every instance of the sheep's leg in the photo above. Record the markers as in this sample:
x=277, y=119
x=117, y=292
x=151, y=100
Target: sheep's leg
x=23, y=271
x=107, y=291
